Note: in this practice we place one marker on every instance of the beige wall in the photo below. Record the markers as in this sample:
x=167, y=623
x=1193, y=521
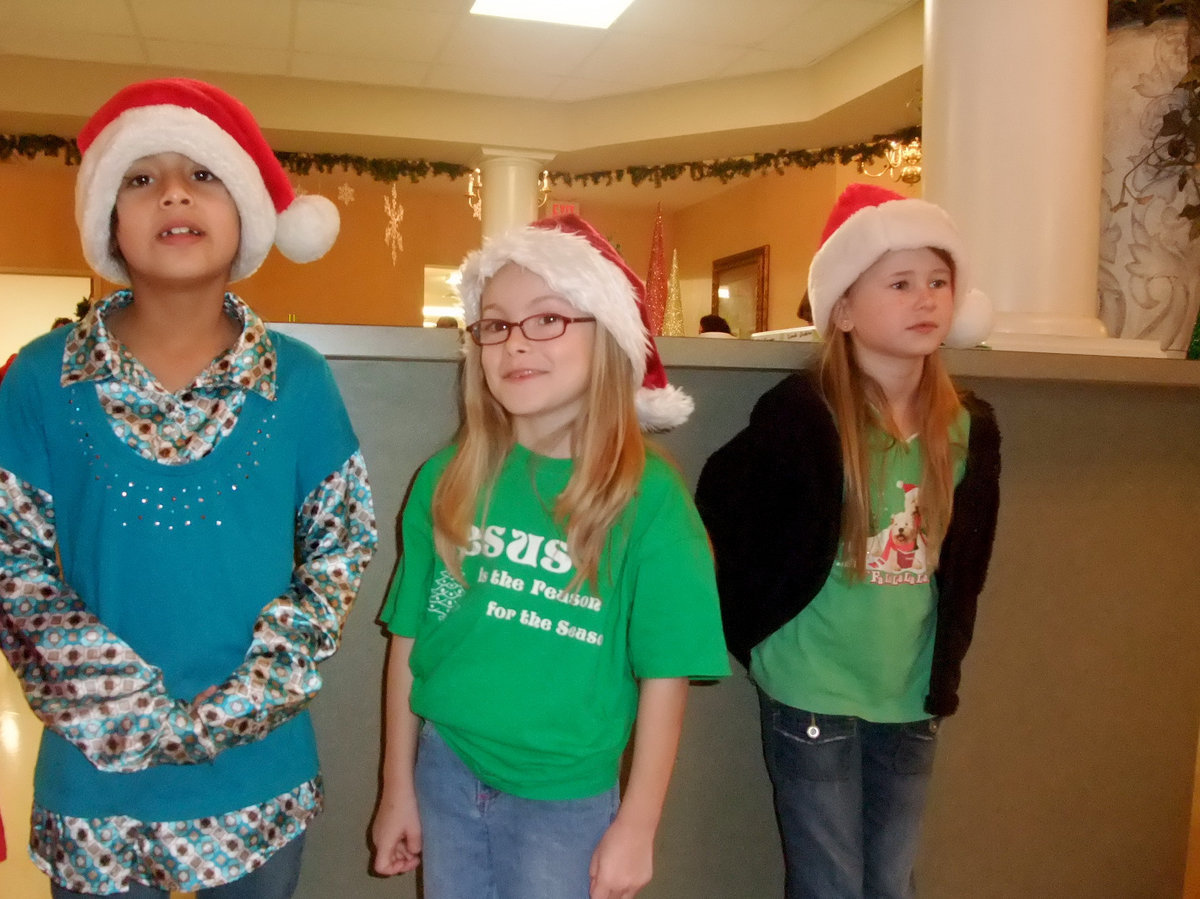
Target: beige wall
x=1067, y=772
x=37, y=220
x=785, y=212
x=357, y=282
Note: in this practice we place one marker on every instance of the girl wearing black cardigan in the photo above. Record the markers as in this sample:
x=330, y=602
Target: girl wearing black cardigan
x=852, y=522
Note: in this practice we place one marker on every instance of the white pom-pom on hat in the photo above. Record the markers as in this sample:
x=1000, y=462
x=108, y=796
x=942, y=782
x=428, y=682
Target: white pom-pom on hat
x=974, y=318
x=214, y=129
x=302, y=230
x=663, y=408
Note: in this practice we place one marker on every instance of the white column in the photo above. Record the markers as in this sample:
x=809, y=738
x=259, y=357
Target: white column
x=510, y=179
x=1012, y=136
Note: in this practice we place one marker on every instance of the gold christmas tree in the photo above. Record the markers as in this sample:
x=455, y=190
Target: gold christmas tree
x=673, y=320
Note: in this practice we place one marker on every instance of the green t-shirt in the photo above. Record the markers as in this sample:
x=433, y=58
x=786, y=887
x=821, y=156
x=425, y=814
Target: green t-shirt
x=865, y=648
x=535, y=687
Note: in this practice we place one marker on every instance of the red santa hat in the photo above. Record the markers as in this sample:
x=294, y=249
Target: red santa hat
x=202, y=122
x=868, y=221
x=575, y=261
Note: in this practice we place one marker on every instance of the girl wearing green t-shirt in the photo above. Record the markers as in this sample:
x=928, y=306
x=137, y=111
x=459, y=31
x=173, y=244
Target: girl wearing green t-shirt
x=852, y=522
x=555, y=593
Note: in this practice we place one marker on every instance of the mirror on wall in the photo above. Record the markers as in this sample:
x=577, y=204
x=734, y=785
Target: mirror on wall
x=442, y=302
x=739, y=290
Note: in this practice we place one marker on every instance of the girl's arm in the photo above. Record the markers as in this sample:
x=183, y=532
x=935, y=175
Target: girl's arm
x=335, y=533
x=82, y=680
x=966, y=552
x=624, y=860
x=396, y=830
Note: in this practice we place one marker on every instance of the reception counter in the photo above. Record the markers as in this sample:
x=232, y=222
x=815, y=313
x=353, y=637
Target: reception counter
x=1068, y=770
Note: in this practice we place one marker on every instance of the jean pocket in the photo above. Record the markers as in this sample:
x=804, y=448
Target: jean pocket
x=810, y=746
x=916, y=744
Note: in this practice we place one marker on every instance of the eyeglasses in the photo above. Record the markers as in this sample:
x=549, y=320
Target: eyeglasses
x=543, y=326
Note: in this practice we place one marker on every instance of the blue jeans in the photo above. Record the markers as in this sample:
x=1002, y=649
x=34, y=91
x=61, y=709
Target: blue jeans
x=276, y=879
x=482, y=843
x=849, y=795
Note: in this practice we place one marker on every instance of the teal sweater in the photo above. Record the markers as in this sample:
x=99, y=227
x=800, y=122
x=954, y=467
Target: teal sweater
x=177, y=561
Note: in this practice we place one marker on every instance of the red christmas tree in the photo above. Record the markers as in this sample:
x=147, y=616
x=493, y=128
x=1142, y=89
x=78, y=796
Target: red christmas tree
x=656, y=278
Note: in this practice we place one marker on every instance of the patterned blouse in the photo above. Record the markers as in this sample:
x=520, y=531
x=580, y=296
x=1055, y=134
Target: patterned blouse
x=68, y=661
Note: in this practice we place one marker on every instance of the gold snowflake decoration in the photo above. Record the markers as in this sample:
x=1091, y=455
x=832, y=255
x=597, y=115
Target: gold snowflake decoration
x=346, y=194
x=395, y=214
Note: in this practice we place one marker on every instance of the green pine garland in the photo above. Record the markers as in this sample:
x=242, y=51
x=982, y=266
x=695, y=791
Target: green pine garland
x=385, y=170
x=725, y=170
x=29, y=146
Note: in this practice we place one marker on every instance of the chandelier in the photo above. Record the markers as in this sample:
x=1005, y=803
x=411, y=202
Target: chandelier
x=475, y=191
x=901, y=162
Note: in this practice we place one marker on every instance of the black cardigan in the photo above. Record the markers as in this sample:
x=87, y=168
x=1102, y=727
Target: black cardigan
x=771, y=499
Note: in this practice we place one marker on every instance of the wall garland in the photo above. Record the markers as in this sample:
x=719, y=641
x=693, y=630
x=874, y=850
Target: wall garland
x=29, y=146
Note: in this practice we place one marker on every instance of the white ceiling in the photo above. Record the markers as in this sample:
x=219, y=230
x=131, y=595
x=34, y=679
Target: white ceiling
x=670, y=81
x=436, y=44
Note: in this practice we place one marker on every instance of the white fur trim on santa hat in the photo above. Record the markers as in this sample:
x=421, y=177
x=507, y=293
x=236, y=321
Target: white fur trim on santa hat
x=872, y=231
x=570, y=266
x=147, y=130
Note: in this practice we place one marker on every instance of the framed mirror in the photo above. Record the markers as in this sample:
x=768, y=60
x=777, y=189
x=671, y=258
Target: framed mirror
x=442, y=301
x=739, y=290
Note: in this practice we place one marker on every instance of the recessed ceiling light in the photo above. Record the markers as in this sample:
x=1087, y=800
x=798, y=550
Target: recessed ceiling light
x=586, y=13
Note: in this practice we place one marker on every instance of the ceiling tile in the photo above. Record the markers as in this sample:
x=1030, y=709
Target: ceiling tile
x=492, y=82
x=527, y=46
x=743, y=23
x=829, y=25
x=448, y=7
x=336, y=28
x=418, y=42
x=218, y=57
x=358, y=69
x=263, y=23
x=70, y=45
x=101, y=16
x=652, y=61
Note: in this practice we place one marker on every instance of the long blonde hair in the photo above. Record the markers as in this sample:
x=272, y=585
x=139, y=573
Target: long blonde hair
x=863, y=417
x=606, y=444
